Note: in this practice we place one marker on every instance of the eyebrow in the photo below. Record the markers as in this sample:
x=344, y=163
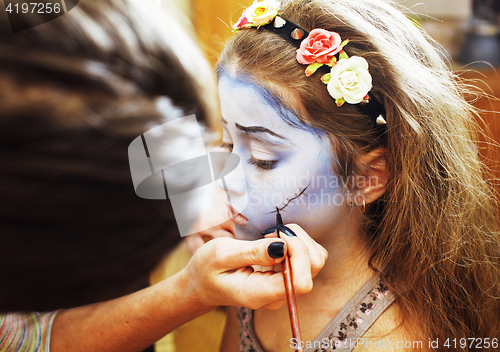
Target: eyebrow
x=258, y=129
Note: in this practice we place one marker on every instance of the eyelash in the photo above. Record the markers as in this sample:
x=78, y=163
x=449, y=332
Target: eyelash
x=258, y=163
x=262, y=164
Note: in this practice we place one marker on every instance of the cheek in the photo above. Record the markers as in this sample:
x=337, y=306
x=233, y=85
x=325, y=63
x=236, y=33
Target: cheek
x=318, y=211
x=325, y=193
x=271, y=189
x=302, y=192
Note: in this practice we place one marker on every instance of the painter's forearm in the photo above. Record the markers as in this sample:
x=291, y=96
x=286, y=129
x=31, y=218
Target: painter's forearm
x=127, y=324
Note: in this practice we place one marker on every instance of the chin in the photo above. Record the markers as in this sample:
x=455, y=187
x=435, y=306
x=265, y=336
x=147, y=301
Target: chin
x=246, y=233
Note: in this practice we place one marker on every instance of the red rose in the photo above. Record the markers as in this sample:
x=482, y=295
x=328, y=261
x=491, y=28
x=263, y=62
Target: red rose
x=319, y=46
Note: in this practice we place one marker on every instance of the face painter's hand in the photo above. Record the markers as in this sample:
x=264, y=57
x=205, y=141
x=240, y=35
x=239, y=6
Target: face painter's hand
x=195, y=241
x=220, y=272
x=295, y=236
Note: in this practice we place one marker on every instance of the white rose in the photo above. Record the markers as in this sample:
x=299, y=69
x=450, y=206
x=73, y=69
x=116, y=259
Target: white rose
x=262, y=12
x=350, y=80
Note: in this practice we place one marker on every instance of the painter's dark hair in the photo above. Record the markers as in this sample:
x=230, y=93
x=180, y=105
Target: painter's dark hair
x=74, y=93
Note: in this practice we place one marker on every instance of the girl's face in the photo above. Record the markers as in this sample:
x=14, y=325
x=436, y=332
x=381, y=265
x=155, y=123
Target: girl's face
x=284, y=167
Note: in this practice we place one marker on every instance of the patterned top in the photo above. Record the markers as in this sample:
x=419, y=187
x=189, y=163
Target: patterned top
x=26, y=332
x=341, y=334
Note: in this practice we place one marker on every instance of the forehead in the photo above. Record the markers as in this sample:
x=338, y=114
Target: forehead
x=249, y=98
x=242, y=104
x=248, y=94
x=243, y=100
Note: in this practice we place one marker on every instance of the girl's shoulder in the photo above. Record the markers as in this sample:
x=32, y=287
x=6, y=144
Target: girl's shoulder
x=388, y=333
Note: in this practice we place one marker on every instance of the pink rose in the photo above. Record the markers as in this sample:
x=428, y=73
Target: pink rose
x=319, y=46
x=242, y=22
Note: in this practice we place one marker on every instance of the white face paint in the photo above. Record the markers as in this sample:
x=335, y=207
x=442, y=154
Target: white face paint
x=285, y=167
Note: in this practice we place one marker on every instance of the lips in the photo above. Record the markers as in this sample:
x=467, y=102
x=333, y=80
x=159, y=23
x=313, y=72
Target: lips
x=236, y=217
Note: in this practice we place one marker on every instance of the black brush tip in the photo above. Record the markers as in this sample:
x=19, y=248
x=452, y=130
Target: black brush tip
x=279, y=221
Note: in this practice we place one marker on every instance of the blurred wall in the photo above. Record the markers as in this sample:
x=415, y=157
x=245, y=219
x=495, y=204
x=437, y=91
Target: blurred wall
x=210, y=20
x=444, y=20
x=440, y=8
x=213, y=21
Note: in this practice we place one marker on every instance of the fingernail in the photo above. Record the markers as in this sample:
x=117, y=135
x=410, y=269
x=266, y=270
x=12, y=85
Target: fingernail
x=268, y=231
x=276, y=250
x=287, y=231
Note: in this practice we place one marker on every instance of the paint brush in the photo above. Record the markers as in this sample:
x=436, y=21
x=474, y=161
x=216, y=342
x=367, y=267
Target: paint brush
x=290, y=293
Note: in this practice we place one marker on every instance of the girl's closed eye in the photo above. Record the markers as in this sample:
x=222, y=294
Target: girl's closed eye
x=258, y=163
x=262, y=164
x=262, y=158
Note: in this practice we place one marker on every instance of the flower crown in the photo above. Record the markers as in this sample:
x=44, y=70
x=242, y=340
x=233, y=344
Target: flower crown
x=347, y=78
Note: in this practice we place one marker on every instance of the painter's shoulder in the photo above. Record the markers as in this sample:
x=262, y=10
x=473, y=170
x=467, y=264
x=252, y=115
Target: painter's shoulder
x=388, y=334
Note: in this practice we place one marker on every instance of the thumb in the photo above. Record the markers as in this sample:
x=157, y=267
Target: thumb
x=234, y=254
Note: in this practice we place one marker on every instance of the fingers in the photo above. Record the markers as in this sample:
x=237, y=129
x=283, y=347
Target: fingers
x=223, y=267
x=269, y=286
x=275, y=305
x=300, y=256
x=228, y=226
x=233, y=254
x=252, y=289
x=300, y=261
x=195, y=241
x=317, y=254
x=269, y=231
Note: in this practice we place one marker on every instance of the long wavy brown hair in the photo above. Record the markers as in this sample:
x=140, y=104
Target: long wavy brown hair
x=435, y=229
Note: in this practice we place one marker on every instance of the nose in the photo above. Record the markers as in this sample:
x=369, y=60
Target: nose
x=233, y=183
x=232, y=178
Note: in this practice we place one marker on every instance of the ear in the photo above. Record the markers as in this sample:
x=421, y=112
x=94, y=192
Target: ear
x=372, y=181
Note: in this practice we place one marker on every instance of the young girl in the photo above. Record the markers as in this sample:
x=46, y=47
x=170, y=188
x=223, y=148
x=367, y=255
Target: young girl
x=348, y=120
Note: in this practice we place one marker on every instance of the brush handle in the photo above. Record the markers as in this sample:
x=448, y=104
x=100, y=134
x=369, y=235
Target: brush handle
x=292, y=304
x=286, y=268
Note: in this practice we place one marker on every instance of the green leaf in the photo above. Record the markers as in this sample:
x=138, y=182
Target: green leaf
x=312, y=68
x=340, y=102
x=326, y=78
x=343, y=55
x=344, y=43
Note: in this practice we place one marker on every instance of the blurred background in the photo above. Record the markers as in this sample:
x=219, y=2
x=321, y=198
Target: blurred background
x=467, y=29
x=468, y=33
x=469, y=36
